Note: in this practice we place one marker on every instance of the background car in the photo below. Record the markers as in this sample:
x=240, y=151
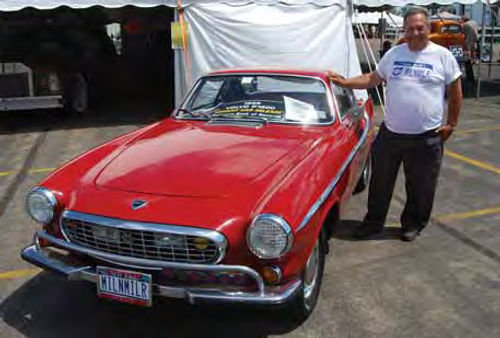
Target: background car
x=233, y=198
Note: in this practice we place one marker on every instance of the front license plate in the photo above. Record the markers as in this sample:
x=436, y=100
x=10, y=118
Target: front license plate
x=124, y=286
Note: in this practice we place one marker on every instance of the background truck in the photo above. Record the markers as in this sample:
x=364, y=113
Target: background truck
x=59, y=59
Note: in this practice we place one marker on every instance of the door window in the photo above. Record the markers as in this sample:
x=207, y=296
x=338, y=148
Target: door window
x=345, y=99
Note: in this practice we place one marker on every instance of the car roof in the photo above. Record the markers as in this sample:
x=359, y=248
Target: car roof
x=321, y=73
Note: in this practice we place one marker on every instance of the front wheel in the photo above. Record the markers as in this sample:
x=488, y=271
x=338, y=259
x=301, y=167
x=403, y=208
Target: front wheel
x=304, y=302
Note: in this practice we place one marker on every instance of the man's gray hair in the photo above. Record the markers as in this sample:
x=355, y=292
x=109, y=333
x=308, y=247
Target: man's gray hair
x=416, y=10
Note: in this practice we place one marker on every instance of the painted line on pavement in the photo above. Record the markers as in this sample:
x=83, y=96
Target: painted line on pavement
x=456, y=216
x=19, y=273
x=472, y=161
x=476, y=130
x=31, y=171
x=470, y=214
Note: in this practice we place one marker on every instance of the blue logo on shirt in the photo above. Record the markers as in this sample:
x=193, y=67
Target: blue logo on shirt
x=412, y=70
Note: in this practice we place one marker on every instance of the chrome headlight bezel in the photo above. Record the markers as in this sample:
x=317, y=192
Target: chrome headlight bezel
x=285, y=227
x=51, y=200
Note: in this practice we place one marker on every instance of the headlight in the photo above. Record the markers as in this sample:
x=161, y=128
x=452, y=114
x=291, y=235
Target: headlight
x=269, y=236
x=41, y=204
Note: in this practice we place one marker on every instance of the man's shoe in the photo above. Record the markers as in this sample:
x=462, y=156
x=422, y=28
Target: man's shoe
x=409, y=235
x=366, y=230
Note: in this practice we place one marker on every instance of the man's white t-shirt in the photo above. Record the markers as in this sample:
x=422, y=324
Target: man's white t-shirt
x=416, y=86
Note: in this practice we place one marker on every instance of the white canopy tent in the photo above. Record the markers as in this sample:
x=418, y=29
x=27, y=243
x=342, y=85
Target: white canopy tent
x=240, y=33
x=306, y=35
x=374, y=17
x=400, y=3
x=232, y=33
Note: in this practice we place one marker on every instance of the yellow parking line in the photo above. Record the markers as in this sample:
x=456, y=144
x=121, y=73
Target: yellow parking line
x=18, y=273
x=473, y=162
x=40, y=170
x=6, y=173
x=31, y=171
x=456, y=216
x=470, y=214
x=476, y=130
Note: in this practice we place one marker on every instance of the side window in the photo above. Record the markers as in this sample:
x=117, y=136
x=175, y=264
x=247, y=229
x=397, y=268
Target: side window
x=205, y=98
x=345, y=99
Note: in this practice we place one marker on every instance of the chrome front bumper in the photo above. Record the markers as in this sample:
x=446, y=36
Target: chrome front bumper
x=265, y=294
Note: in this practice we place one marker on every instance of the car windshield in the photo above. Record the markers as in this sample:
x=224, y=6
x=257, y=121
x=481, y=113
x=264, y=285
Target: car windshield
x=268, y=98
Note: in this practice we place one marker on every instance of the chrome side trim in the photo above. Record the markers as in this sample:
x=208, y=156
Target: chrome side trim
x=337, y=177
x=218, y=238
x=147, y=263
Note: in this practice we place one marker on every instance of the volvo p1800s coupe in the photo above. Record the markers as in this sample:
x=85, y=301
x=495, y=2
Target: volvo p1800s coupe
x=232, y=198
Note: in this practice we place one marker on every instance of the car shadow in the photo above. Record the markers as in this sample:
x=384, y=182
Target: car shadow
x=344, y=230
x=111, y=113
x=50, y=306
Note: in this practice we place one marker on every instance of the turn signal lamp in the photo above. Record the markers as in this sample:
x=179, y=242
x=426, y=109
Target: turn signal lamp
x=271, y=274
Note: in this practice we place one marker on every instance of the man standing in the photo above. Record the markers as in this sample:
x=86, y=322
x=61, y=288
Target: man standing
x=471, y=31
x=418, y=75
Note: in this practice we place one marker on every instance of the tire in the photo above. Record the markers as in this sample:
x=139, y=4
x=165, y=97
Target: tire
x=76, y=97
x=306, y=298
x=364, y=180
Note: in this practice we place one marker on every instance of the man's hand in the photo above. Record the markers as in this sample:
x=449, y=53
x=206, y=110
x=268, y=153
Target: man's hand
x=445, y=131
x=337, y=79
x=363, y=81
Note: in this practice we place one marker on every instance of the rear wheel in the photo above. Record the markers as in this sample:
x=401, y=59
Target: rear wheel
x=305, y=301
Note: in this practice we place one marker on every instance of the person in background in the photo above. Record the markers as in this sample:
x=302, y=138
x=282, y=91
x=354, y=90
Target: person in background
x=471, y=31
x=373, y=31
x=385, y=47
x=418, y=74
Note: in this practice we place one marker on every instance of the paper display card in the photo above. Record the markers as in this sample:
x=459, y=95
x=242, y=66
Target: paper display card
x=296, y=110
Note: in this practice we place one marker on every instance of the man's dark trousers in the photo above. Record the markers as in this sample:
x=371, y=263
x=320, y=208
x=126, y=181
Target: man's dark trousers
x=421, y=156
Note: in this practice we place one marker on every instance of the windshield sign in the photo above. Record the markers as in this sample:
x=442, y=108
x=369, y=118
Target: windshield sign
x=271, y=98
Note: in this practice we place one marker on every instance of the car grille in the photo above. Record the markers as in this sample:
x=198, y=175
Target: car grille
x=140, y=243
x=14, y=85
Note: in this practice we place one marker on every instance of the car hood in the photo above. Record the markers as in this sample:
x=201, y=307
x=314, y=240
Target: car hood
x=200, y=160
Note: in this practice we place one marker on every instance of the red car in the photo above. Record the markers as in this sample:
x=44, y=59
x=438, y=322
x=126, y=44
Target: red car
x=232, y=198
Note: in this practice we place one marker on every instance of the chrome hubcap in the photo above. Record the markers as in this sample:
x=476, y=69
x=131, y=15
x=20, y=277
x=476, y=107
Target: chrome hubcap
x=311, y=275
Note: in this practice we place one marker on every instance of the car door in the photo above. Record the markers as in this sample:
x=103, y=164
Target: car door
x=353, y=123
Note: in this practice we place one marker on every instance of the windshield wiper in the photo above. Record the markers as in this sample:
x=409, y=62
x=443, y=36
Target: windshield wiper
x=196, y=113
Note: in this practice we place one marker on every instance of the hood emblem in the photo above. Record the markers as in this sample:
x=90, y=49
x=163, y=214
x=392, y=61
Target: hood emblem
x=137, y=204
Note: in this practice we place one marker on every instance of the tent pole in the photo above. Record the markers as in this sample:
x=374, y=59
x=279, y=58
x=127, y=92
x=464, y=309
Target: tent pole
x=478, y=89
x=493, y=20
x=381, y=30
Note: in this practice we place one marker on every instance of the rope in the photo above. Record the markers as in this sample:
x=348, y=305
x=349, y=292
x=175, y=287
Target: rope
x=364, y=39
x=180, y=9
